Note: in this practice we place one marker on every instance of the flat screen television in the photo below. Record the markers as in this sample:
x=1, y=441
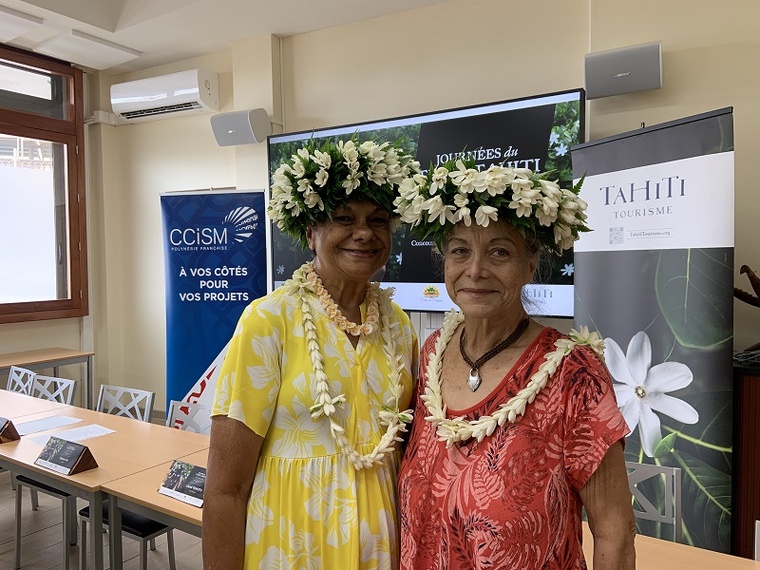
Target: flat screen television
x=533, y=132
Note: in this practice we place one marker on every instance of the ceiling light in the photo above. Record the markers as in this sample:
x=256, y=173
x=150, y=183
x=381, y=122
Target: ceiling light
x=14, y=24
x=89, y=51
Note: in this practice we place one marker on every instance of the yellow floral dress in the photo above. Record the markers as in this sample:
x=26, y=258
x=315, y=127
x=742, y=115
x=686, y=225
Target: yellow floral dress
x=309, y=508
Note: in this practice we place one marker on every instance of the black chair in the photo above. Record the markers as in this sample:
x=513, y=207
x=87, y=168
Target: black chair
x=59, y=390
x=19, y=380
x=135, y=526
x=136, y=404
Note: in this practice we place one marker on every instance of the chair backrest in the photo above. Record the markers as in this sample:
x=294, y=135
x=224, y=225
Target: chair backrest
x=20, y=380
x=189, y=417
x=130, y=402
x=666, y=482
x=56, y=389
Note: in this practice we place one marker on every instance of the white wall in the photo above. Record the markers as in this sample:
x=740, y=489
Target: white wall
x=458, y=53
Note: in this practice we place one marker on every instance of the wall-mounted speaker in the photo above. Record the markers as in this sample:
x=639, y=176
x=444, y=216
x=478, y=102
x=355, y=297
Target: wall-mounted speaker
x=623, y=70
x=241, y=127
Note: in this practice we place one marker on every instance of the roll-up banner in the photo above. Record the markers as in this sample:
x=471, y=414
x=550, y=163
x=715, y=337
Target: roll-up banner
x=215, y=264
x=655, y=278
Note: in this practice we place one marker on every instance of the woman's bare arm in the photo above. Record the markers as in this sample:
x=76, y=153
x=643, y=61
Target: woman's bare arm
x=607, y=499
x=233, y=455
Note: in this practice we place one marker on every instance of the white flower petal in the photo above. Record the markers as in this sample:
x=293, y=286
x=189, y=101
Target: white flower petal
x=673, y=407
x=639, y=356
x=649, y=430
x=667, y=377
x=623, y=394
x=616, y=363
x=631, y=413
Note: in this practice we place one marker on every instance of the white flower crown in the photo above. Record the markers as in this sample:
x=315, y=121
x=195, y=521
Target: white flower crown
x=316, y=180
x=458, y=192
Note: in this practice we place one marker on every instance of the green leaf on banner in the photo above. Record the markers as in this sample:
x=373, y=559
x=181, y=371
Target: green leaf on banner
x=665, y=446
x=695, y=293
x=713, y=433
x=706, y=507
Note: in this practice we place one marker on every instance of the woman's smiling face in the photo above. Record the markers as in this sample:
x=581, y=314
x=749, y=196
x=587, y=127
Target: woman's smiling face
x=485, y=269
x=354, y=245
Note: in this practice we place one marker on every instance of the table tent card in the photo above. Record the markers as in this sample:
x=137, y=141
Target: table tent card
x=8, y=431
x=185, y=482
x=66, y=457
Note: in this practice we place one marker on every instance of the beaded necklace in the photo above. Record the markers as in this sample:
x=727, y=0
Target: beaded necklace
x=474, y=380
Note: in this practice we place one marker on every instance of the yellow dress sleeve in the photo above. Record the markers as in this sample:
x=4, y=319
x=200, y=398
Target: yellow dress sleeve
x=249, y=380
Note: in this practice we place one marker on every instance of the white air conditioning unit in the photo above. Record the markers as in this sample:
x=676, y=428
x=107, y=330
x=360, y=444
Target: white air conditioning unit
x=172, y=95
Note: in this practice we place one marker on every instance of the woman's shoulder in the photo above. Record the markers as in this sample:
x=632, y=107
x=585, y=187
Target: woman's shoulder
x=578, y=349
x=277, y=305
x=586, y=350
x=552, y=335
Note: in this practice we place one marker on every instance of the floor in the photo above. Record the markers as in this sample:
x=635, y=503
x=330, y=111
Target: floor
x=41, y=538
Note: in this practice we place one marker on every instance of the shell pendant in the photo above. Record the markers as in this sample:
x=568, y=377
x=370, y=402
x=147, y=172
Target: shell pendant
x=473, y=381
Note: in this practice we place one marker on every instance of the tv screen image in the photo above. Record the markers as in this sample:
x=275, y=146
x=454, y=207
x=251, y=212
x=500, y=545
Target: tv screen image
x=534, y=132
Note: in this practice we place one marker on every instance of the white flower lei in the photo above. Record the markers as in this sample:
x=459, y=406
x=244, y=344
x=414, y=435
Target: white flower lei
x=324, y=404
x=320, y=177
x=458, y=429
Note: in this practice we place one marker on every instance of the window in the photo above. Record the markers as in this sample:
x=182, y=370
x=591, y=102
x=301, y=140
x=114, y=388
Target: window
x=43, y=260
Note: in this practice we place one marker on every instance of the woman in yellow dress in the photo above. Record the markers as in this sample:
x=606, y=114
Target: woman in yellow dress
x=312, y=397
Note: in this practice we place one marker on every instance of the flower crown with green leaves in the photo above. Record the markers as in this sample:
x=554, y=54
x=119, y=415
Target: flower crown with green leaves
x=318, y=179
x=458, y=192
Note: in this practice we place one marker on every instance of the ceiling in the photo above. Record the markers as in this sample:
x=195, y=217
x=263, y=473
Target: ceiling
x=118, y=36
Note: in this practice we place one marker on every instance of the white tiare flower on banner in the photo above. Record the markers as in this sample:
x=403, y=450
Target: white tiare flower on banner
x=642, y=389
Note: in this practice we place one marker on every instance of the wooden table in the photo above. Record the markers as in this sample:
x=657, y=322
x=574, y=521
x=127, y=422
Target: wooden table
x=133, y=447
x=14, y=405
x=139, y=493
x=658, y=554
x=52, y=358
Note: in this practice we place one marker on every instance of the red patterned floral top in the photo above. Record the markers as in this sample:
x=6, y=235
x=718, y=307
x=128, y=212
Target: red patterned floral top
x=511, y=501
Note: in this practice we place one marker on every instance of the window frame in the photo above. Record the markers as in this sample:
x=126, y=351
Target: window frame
x=70, y=132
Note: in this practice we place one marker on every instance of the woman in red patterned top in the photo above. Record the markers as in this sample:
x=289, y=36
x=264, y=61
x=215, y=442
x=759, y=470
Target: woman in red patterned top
x=516, y=425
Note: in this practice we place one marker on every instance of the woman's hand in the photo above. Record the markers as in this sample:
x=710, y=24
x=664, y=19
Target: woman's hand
x=233, y=455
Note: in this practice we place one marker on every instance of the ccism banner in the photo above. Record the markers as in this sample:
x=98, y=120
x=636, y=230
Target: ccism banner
x=655, y=278
x=215, y=264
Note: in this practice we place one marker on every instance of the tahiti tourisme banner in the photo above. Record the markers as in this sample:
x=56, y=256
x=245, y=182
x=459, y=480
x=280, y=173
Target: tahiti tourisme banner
x=655, y=278
x=215, y=264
